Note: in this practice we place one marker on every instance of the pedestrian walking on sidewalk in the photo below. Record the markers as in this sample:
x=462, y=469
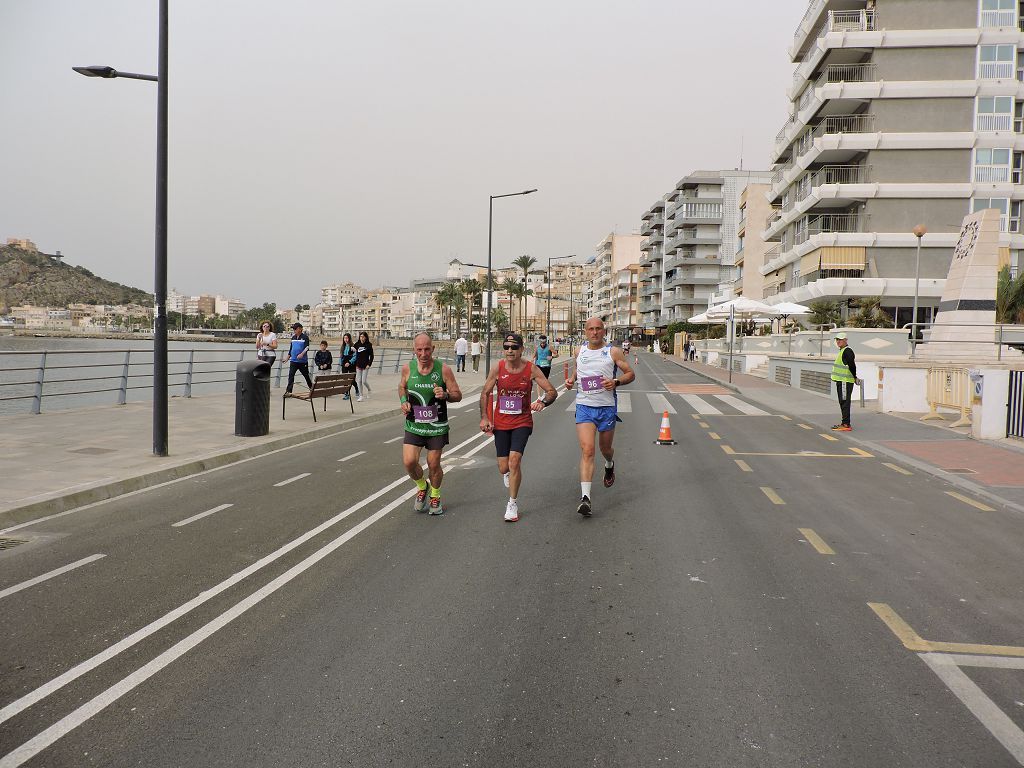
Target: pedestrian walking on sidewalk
x=597, y=371
x=348, y=359
x=474, y=351
x=266, y=343
x=426, y=387
x=508, y=415
x=298, y=357
x=461, y=350
x=364, y=359
x=323, y=359
x=844, y=374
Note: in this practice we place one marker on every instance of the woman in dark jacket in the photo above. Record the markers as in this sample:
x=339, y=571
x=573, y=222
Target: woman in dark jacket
x=364, y=359
x=348, y=358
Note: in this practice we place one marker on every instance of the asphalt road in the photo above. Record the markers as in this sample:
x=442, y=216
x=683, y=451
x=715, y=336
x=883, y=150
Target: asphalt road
x=757, y=595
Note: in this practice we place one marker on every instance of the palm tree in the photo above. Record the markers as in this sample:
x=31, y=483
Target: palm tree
x=471, y=289
x=525, y=263
x=509, y=286
x=870, y=314
x=823, y=313
x=1009, y=297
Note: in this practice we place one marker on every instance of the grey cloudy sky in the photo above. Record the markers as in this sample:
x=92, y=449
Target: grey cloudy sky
x=322, y=140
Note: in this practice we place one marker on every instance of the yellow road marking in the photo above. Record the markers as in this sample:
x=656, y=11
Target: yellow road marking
x=816, y=541
x=772, y=496
x=972, y=502
x=897, y=468
x=862, y=452
x=784, y=417
x=714, y=436
x=914, y=642
x=743, y=465
x=829, y=437
x=805, y=426
x=804, y=455
x=696, y=416
x=727, y=449
x=703, y=424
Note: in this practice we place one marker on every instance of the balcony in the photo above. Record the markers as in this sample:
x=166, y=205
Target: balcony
x=996, y=70
x=992, y=173
x=830, y=126
x=825, y=223
x=862, y=20
x=1004, y=18
x=995, y=122
x=830, y=174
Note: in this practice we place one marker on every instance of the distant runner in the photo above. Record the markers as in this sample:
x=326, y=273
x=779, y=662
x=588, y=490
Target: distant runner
x=425, y=390
x=511, y=421
x=599, y=370
x=543, y=356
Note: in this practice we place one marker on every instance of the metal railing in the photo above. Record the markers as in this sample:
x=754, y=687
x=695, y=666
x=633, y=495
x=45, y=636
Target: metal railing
x=835, y=124
x=995, y=122
x=826, y=223
x=996, y=70
x=1003, y=18
x=847, y=73
x=985, y=173
x=916, y=330
x=108, y=376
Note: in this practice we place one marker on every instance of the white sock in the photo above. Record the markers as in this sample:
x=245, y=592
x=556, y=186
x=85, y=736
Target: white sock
x=511, y=499
x=585, y=487
x=609, y=463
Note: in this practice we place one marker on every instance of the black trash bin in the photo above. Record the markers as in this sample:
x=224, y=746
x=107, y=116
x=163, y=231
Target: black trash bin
x=252, y=398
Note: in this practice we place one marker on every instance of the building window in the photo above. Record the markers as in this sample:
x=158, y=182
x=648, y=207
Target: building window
x=991, y=165
x=996, y=61
x=995, y=113
x=998, y=13
x=1009, y=216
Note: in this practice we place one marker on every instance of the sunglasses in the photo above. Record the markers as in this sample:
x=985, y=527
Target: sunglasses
x=510, y=346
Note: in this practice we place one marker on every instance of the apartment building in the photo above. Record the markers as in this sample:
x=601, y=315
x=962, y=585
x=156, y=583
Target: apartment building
x=340, y=294
x=691, y=245
x=751, y=249
x=614, y=255
x=903, y=112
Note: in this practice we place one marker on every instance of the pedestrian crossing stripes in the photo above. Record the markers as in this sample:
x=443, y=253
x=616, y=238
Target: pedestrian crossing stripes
x=701, y=405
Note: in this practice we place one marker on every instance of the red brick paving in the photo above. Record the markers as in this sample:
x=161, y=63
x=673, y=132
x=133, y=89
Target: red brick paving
x=992, y=465
x=697, y=389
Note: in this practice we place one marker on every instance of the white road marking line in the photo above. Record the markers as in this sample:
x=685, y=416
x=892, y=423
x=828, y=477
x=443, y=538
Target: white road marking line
x=741, y=406
x=65, y=725
x=572, y=402
x=701, y=405
x=660, y=404
x=625, y=403
x=40, y=693
x=479, y=448
x=49, y=575
x=200, y=516
x=980, y=705
x=292, y=479
x=352, y=456
x=394, y=439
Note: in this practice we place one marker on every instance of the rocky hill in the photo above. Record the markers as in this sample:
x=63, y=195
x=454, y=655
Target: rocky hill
x=30, y=277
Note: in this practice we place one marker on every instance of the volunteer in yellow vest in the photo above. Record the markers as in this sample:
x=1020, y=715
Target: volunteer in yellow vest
x=426, y=388
x=844, y=374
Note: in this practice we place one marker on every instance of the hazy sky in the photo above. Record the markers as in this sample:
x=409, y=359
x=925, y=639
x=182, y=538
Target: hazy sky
x=314, y=141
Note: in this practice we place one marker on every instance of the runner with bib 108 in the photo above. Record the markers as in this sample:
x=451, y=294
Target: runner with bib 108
x=511, y=421
x=425, y=389
x=600, y=369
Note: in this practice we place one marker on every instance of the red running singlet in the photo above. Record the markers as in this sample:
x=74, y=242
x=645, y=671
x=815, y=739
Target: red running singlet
x=512, y=405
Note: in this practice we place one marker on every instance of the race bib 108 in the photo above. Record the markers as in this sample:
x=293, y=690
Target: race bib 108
x=424, y=414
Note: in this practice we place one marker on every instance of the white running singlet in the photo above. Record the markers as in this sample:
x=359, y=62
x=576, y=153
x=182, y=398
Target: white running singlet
x=594, y=363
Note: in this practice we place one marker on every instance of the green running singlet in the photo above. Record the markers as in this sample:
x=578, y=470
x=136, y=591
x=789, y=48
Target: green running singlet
x=421, y=392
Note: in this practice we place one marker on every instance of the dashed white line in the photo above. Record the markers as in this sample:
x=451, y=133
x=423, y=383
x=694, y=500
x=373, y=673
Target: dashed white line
x=49, y=575
x=292, y=479
x=352, y=456
x=394, y=439
x=200, y=516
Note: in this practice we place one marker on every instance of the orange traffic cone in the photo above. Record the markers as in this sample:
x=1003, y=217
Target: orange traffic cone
x=665, y=433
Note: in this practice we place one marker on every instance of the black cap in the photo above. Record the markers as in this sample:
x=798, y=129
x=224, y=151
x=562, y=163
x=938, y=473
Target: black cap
x=514, y=337
x=296, y=325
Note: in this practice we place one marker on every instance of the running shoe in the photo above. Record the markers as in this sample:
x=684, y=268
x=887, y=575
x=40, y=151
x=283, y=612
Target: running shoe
x=436, y=508
x=504, y=479
x=511, y=511
x=420, y=503
x=609, y=476
x=842, y=428
x=359, y=399
x=584, y=507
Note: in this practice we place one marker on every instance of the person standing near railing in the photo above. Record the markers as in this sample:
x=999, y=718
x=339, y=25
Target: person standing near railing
x=298, y=357
x=266, y=343
x=364, y=359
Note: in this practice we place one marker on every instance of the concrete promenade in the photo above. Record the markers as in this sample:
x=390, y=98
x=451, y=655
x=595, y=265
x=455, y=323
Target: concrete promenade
x=63, y=460
x=993, y=469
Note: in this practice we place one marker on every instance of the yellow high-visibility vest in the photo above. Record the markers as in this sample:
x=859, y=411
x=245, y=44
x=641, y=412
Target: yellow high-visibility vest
x=840, y=372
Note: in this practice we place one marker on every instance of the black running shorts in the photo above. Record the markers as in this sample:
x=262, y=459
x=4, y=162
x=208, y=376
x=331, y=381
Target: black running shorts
x=508, y=440
x=435, y=443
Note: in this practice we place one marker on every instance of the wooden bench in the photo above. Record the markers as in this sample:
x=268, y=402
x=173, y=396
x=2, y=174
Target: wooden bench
x=326, y=385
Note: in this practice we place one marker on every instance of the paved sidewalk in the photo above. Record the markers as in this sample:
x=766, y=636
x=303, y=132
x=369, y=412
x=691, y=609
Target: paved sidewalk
x=991, y=469
x=66, y=459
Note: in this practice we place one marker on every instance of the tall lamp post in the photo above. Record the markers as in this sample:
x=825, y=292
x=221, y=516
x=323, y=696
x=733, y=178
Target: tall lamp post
x=547, y=322
x=919, y=232
x=490, y=287
x=160, y=259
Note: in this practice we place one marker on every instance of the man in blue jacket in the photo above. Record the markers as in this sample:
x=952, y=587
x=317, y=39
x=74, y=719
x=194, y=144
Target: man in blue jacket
x=298, y=357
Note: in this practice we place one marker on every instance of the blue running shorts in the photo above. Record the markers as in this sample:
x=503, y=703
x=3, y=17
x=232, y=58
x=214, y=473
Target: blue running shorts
x=602, y=416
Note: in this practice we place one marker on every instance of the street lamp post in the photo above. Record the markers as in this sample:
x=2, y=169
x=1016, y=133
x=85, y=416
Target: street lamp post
x=547, y=323
x=490, y=230
x=160, y=258
x=919, y=232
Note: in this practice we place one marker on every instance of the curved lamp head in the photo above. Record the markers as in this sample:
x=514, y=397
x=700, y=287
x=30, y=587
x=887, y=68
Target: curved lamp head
x=920, y=231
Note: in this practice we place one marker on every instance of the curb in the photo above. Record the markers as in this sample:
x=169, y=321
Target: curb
x=956, y=482
x=190, y=467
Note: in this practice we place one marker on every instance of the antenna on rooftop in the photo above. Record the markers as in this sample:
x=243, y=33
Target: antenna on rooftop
x=742, y=137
